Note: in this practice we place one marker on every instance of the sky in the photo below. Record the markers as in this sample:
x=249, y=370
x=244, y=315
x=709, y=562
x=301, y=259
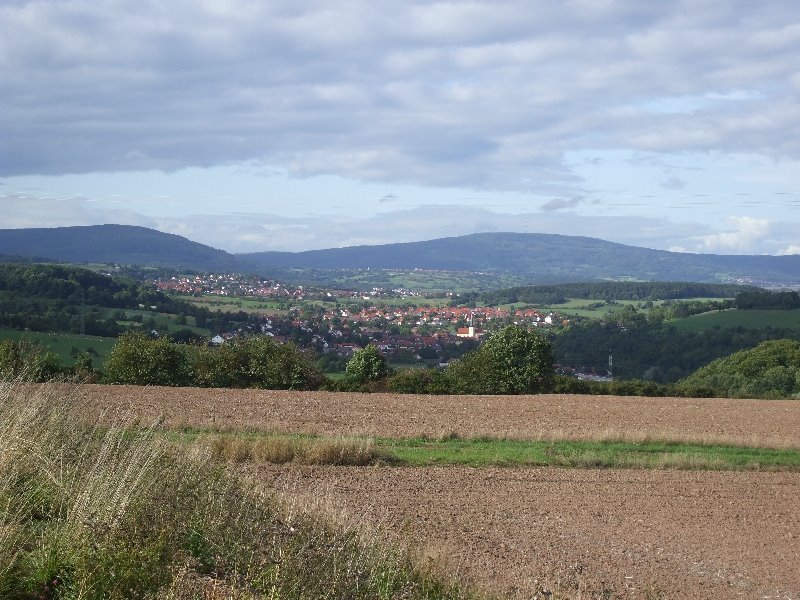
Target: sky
x=253, y=125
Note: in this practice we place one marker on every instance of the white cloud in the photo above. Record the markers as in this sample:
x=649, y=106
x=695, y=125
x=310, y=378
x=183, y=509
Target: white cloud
x=482, y=97
x=791, y=249
x=744, y=237
x=478, y=94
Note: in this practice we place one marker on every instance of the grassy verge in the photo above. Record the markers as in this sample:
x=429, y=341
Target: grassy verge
x=568, y=453
x=483, y=452
x=91, y=513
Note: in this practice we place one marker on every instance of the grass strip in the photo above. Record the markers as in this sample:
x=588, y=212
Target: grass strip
x=484, y=452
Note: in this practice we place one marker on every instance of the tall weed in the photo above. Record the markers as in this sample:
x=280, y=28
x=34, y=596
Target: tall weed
x=93, y=513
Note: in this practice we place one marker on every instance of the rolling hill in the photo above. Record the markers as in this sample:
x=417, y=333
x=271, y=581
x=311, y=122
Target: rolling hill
x=536, y=256
x=540, y=257
x=121, y=244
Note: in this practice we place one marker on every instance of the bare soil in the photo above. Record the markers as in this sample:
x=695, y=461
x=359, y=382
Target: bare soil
x=757, y=422
x=688, y=534
x=581, y=532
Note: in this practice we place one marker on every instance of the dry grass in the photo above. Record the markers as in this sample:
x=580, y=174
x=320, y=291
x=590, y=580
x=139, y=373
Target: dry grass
x=340, y=451
x=92, y=513
x=656, y=437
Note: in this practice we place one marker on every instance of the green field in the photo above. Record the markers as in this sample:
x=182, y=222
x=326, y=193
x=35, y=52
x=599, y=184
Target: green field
x=260, y=306
x=493, y=452
x=426, y=281
x=163, y=321
x=64, y=345
x=581, y=307
x=749, y=319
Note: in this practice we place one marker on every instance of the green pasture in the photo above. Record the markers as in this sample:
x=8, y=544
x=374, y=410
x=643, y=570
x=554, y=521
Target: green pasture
x=260, y=306
x=427, y=281
x=163, y=321
x=64, y=345
x=581, y=307
x=749, y=319
x=496, y=452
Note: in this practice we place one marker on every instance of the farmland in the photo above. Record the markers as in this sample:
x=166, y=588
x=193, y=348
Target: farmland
x=65, y=345
x=635, y=533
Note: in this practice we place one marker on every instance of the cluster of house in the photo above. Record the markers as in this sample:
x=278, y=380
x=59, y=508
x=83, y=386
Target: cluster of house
x=227, y=284
x=442, y=317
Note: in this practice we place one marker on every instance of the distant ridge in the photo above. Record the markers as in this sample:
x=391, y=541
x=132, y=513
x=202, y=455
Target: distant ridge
x=122, y=244
x=542, y=257
x=538, y=257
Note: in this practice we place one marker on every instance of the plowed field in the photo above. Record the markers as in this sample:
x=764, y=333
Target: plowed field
x=690, y=534
x=759, y=422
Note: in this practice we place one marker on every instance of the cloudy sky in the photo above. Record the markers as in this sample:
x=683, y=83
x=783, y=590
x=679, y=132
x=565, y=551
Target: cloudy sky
x=256, y=125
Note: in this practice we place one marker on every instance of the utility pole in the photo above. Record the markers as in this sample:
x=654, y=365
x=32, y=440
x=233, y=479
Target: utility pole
x=611, y=364
x=83, y=320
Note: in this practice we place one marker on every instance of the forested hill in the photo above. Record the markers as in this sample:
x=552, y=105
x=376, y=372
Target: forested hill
x=542, y=258
x=121, y=244
x=537, y=257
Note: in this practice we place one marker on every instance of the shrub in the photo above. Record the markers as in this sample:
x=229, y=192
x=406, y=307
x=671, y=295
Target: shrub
x=512, y=361
x=139, y=360
x=367, y=364
x=96, y=513
x=418, y=381
x=27, y=361
x=770, y=370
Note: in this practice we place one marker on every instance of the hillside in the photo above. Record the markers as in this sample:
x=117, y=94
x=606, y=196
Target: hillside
x=541, y=257
x=536, y=257
x=121, y=244
x=770, y=370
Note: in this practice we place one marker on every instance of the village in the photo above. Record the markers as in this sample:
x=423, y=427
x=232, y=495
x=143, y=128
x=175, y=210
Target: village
x=338, y=322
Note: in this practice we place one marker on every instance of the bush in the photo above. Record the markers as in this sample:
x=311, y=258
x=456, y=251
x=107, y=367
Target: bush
x=770, y=370
x=418, y=381
x=512, y=361
x=366, y=365
x=137, y=359
x=277, y=366
x=27, y=361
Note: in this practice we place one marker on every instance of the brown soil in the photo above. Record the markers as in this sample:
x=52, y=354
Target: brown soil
x=687, y=534
x=757, y=422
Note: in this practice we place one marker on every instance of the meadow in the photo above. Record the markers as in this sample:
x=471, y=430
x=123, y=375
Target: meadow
x=65, y=345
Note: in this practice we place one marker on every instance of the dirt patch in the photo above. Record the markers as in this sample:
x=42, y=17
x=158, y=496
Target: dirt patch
x=686, y=534
x=754, y=422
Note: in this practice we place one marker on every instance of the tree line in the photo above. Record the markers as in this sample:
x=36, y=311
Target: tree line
x=607, y=291
x=766, y=300
x=645, y=346
x=46, y=297
x=512, y=361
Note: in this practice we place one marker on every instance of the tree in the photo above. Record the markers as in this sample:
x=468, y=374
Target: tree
x=278, y=366
x=512, y=361
x=367, y=364
x=139, y=360
x=770, y=370
x=254, y=362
